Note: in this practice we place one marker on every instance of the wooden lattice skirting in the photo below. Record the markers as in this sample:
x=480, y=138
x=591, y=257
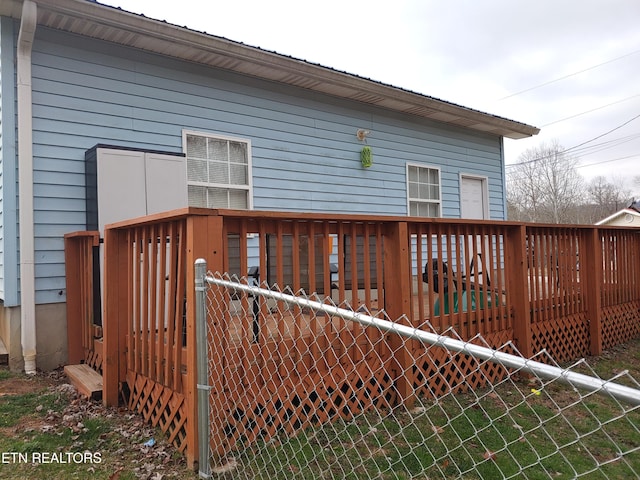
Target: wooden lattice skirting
x=620, y=324
x=93, y=358
x=159, y=406
x=437, y=371
x=564, y=338
x=298, y=402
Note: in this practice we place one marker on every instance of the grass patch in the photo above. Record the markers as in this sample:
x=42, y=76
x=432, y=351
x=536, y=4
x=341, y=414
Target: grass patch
x=14, y=407
x=506, y=432
x=472, y=444
x=49, y=432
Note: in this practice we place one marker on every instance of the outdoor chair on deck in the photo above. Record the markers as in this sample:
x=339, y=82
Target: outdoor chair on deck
x=460, y=300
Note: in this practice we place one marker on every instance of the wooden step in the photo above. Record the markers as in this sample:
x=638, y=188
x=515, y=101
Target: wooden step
x=87, y=381
x=4, y=354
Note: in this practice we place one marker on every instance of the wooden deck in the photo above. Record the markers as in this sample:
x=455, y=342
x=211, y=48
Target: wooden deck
x=569, y=289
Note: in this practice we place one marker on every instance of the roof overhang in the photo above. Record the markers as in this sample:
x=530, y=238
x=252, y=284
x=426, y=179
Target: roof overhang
x=90, y=19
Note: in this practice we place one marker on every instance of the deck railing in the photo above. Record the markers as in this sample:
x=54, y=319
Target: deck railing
x=83, y=299
x=573, y=290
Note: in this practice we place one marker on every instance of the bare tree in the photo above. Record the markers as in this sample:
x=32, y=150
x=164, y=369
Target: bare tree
x=607, y=197
x=545, y=185
x=514, y=212
x=524, y=192
x=636, y=186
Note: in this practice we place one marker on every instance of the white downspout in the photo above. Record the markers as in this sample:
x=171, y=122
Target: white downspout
x=25, y=186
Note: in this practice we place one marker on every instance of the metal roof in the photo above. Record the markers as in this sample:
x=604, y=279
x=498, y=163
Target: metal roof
x=92, y=19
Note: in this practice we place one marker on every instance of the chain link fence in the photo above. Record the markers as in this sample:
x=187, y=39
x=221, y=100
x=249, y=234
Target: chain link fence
x=293, y=386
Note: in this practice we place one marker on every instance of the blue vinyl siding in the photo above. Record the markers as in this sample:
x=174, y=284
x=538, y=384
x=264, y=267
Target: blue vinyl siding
x=304, y=149
x=8, y=166
x=2, y=288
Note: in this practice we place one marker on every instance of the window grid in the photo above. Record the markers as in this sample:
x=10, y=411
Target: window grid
x=218, y=171
x=423, y=191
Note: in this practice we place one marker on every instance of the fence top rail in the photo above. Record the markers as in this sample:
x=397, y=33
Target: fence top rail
x=256, y=215
x=171, y=215
x=542, y=370
x=84, y=234
x=345, y=217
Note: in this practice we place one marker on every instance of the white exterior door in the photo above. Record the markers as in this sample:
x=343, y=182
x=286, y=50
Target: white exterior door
x=473, y=197
x=474, y=204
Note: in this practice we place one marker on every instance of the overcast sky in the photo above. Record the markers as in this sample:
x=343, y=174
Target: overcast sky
x=569, y=67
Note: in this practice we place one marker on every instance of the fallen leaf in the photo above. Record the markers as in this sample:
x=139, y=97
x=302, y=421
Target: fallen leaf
x=437, y=430
x=489, y=455
x=115, y=475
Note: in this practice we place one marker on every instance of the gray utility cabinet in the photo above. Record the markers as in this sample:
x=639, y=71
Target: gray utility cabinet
x=124, y=183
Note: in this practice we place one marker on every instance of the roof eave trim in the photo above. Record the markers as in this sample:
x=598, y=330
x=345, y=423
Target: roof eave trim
x=166, y=37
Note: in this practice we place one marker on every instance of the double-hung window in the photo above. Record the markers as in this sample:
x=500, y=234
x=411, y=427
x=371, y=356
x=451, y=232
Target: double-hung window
x=218, y=171
x=423, y=191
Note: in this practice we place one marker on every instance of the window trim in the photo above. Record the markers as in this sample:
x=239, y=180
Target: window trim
x=220, y=136
x=410, y=199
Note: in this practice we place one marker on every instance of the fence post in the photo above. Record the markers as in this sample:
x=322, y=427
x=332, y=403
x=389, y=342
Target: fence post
x=516, y=267
x=203, y=368
x=397, y=296
x=591, y=274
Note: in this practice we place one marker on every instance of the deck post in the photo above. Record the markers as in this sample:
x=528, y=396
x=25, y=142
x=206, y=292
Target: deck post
x=116, y=311
x=397, y=296
x=204, y=240
x=635, y=252
x=75, y=353
x=516, y=266
x=591, y=275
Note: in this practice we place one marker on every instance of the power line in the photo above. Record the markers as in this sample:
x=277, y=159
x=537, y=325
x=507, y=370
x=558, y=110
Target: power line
x=521, y=175
x=589, y=111
x=599, y=147
x=606, y=133
x=567, y=76
x=526, y=162
x=607, y=161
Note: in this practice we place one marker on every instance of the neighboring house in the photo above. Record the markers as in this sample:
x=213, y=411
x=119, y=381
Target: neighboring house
x=627, y=217
x=259, y=130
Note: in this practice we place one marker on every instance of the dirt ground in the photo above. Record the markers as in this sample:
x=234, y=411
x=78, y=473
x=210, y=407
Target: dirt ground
x=129, y=447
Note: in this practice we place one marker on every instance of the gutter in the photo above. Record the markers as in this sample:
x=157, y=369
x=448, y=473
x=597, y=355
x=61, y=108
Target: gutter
x=25, y=186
